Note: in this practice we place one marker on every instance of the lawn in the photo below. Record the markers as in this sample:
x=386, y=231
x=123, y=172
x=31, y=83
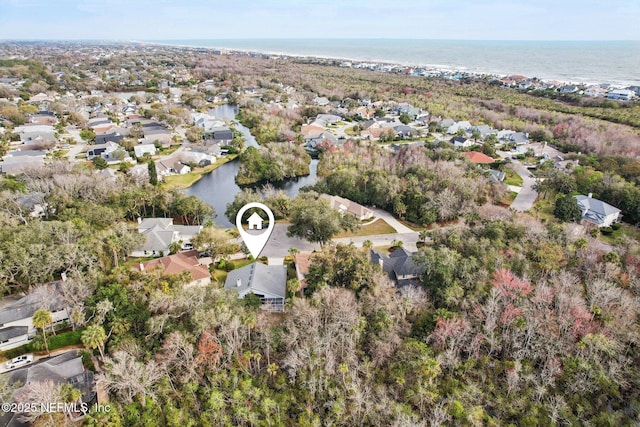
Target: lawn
x=188, y=179
x=543, y=210
x=513, y=178
x=379, y=226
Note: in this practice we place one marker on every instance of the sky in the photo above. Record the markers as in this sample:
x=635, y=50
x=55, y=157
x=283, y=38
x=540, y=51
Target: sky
x=250, y=19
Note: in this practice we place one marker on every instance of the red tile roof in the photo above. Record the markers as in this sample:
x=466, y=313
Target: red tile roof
x=176, y=264
x=477, y=157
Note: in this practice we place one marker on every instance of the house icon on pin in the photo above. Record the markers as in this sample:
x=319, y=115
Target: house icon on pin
x=255, y=222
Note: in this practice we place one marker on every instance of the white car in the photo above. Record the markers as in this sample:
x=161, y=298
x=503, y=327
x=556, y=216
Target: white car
x=19, y=361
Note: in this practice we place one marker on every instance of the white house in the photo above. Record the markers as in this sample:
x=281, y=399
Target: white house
x=159, y=233
x=141, y=149
x=597, y=212
x=16, y=319
x=621, y=94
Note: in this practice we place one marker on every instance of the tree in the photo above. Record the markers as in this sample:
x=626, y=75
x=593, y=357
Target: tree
x=41, y=319
x=94, y=337
x=174, y=247
x=404, y=119
x=153, y=173
x=194, y=133
x=216, y=242
x=567, y=209
x=314, y=221
x=100, y=163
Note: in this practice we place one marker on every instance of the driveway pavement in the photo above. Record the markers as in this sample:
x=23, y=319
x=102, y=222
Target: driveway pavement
x=527, y=195
x=400, y=228
x=279, y=243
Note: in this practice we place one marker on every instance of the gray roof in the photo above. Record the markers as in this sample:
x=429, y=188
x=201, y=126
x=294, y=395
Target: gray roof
x=147, y=223
x=594, y=209
x=399, y=263
x=64, y=368
x=496, y=176
x=12, y=332
x=259, y=279
x=26, y=306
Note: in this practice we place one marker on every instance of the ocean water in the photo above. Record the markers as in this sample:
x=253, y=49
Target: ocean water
x=615, y=62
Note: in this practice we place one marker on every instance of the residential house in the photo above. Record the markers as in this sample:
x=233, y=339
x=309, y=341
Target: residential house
x=325, y=120
x=16, y=319
x=141, y=149
x=621, y=94
x=496, y=175
x=399, y=265
x=222, y=135
x=154, y=131
x=462, y=125
x=446, y=123
x=35, y=132
x=321, y=101
x=159, y=233
x=597, y=212
x=404, y=131
x=268, y=282
x=520, y=138
x=111, y=136
x=569, y=89
x=461, y=142
x=311, y=130
x=346, y=206
x=18, y=161
x=171, y=166
x=320, y=142
x=111, y=152
x=407, y=109
x=65, y=368
x=478, y=158
x=484, y=130
x=201, y=159
x=179, y=263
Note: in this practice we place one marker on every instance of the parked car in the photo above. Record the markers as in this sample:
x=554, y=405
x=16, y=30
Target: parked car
x=19, y=361
x=187, y=246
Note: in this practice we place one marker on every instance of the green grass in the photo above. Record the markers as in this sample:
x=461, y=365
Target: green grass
x=617, y=236
x=513, y=178
x=379, y=226
x=543, y=210
x=411, y=225
x=188, y=179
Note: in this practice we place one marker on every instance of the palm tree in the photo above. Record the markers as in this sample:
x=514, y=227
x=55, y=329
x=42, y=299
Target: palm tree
x=41, y=319
x=423, y=235
x=94, y=337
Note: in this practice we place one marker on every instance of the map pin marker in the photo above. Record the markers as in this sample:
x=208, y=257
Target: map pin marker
x=255, y=242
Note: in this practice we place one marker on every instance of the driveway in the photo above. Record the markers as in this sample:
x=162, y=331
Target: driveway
x=400, y=228
x=527, y=195
x=279, y=243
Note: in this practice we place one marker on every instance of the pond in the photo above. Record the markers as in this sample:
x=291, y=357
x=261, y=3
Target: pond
x=219, y=188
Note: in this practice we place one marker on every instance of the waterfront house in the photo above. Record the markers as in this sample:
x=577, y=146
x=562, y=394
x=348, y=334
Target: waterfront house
x=346, y=206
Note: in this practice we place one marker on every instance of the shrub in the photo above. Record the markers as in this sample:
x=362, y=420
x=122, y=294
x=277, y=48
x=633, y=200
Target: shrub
x=616, y=226
x=229, y=265
x=607, y=231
